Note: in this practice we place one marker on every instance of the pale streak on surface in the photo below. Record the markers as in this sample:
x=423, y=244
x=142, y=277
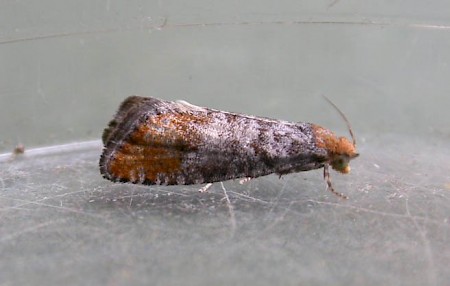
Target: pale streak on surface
x=7, y=237
x=388, y=214
x=276, y=201
x=432, y=279
x=55, y=149
x=249, y=197
x=361, y=209
x=278, y=219
x=26, y=202
x=165, y=25
x=230, y=211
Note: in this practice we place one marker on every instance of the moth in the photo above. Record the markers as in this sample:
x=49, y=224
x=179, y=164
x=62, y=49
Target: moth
x=156, y=142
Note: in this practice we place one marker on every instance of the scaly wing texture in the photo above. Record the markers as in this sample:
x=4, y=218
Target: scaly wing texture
x=151, y=141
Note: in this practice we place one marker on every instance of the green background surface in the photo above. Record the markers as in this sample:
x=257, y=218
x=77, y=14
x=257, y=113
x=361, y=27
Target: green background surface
x=66, y=65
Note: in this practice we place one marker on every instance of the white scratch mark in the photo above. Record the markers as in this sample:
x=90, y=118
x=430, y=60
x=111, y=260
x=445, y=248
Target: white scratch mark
x=230, y=211
x=426, y=243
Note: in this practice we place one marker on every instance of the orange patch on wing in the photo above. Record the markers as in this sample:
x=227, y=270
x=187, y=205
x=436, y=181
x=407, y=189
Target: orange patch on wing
x=132, y=162
x=156, y=148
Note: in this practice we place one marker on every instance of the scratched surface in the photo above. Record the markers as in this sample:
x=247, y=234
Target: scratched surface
x=62, y=222
x=65, y=69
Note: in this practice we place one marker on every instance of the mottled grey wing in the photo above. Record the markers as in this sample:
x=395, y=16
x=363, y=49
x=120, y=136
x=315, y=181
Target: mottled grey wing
x=158, y=142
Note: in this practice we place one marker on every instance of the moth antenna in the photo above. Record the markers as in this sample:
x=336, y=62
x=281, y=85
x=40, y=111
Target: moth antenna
x=343, y=117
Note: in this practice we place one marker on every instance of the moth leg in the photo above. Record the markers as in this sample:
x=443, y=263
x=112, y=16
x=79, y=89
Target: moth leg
x=327, y=177
x=205, y=188
x=245, y=180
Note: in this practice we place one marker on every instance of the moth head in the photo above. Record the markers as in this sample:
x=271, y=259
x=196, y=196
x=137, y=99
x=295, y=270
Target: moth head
x=340, y=150
x=341, y=155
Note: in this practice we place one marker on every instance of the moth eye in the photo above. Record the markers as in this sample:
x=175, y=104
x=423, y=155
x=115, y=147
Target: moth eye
x=340, y=164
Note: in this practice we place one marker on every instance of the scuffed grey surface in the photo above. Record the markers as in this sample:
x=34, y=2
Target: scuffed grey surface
x=65, y=68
